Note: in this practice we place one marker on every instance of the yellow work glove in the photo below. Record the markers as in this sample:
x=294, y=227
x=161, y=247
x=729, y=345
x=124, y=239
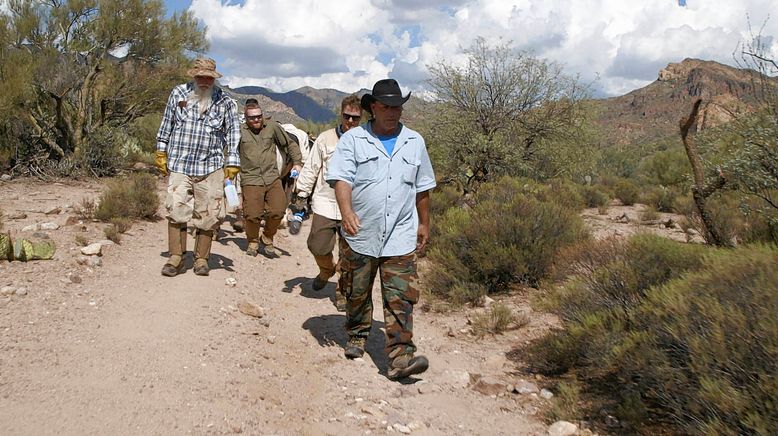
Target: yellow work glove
x=231, y=172
x=160, y=159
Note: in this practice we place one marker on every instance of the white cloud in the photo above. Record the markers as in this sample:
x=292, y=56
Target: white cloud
x=350, y=44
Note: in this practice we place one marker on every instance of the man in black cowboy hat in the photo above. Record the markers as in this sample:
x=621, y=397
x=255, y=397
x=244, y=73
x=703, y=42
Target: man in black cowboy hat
x=382, y=176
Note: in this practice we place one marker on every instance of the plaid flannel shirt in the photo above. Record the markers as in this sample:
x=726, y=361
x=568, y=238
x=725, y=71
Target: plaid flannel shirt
x=196, y=143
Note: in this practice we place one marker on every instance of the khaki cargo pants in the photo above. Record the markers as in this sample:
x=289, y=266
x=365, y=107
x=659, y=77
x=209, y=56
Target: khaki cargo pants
x=198, y=200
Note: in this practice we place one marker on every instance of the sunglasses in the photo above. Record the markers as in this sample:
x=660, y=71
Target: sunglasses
x=347, y=117
x=255, y=117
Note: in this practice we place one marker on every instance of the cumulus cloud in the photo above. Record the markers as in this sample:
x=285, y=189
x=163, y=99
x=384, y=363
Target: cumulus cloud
x=350, y=44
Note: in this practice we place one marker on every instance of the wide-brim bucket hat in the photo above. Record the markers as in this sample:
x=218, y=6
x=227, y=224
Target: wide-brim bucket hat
x=204, y=67
x=387, y=91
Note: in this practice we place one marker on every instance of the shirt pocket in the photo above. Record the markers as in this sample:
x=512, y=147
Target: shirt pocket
x=215, y=121
x=410, y=168
x=367, y=166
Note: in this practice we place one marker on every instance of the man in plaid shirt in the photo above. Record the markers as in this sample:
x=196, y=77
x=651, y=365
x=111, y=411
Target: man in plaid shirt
x=199, y=127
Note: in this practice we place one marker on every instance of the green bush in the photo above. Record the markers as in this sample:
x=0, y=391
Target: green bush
x=112, y=234
x=594, y=196
x=680, y=331
x=495, y=320
x=441, y=199
x=102, y=153
x=660, y=198
x=626, y=191
x=606, y=279
x=705, y=347
x=649, y=214
x=131, y=197
x=507, y=237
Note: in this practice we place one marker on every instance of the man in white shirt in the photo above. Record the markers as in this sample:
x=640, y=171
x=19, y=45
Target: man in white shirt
x=325, y=224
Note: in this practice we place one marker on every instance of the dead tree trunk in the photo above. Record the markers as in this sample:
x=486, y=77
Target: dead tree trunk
x=700, y=192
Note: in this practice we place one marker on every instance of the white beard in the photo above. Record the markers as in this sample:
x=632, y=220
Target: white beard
x=201, y=97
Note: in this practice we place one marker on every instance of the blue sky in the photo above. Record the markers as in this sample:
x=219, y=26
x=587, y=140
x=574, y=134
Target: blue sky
x=349, y=44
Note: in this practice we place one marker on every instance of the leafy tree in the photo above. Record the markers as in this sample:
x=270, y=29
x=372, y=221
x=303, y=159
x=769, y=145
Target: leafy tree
x=94, y=64
x=494, y=115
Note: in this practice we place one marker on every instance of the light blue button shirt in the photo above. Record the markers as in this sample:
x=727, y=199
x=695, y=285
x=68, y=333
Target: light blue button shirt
x=384, y=188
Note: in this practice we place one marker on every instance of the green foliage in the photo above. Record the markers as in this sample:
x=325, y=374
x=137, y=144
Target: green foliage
x=131, y=197
x=649, y=214
x=566, y=405
x=1, y=219
x=81, y=240
x=121, y=224
x=706, y=345
x=594, y=196
x=504, y=113
x=683, y=330
x=660, y=198
x=112, y=234
x=665, y=168
x=508, y=236
x=497, y=319
x=626, y=191
x=65, y=85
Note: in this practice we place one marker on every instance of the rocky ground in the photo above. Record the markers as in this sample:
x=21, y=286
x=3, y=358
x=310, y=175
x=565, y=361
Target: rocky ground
x=103, y=344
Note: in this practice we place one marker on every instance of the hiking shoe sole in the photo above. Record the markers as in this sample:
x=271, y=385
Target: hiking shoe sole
x=354, y=352
x=417, y=365
x=171, y=271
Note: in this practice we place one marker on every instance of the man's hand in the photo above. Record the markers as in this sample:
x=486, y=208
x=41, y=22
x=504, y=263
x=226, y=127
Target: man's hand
x=298, y=203
x=422, y=237
x=160, y=160
x=297, y=168
x=350, y=223
x=231, y=172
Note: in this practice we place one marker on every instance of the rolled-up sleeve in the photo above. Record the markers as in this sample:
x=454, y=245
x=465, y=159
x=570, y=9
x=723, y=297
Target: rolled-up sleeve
x=233, y=134
x=343, y=165
x=425, y=177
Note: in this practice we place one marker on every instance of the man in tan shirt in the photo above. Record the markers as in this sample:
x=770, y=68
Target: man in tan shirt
x=326, y=216
x=263, y=195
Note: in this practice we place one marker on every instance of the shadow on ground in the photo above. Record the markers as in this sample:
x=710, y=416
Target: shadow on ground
x=330, y=330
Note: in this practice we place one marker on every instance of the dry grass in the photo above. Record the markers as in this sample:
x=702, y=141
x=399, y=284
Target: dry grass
x=498, y=319
x=82, y=240
x=85, y=209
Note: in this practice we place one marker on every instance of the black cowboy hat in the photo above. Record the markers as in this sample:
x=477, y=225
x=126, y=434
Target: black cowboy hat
x=387, y=91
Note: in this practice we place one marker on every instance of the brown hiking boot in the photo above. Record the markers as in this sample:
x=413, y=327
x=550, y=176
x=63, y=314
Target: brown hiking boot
x=174, y=266
x=355, y=348
x=406, y=365
x=253, y=249
x=202, y=251
x=340, y=301
x=319, y=283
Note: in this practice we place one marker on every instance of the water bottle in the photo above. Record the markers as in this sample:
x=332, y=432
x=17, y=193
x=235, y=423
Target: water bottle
x=295, y=222
x=231, y=194
x=294, y=174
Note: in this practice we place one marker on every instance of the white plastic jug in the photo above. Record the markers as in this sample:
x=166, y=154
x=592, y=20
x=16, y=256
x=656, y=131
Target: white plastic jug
x=231, y=194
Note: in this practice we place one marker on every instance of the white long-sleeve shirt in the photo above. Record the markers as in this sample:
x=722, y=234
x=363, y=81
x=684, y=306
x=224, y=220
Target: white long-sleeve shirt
x=312, y=176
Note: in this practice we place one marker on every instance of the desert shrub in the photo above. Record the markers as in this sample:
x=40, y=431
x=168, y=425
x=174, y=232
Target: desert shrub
x=85, y=209
x=102, y=152
x=606, y=280
x=441, y=199
x=121, y=224
x=665, y=168
x=649, y=214
x=564, y=192
x=112, y=234
x=594, y=196
x=660, y=198
x=705, y=346
x=1, y=219
x=507, y=237
x=131, y=197
x=495, y=320
x=626, y=191
x=81, y=240
x=602, y=210
x=566, y=403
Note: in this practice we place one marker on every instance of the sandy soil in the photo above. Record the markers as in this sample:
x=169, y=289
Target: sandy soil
x=119, y=349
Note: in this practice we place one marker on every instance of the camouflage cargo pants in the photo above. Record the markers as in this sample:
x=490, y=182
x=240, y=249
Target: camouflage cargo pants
x=398, y=291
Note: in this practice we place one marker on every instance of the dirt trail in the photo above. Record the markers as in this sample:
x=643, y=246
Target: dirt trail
x=119, y=349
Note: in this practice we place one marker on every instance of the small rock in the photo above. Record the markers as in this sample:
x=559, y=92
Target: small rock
x=230, y=281
x=404, y=429
x=106, y=242
x=17, y=216
x=251, y=309
x=7, y=290
x=41, y=235
x=52, y=211
x=489, y=386
x=83, y=260
x=562, y=428
x=31, y=228
x=74, y=278
x=21, y=291
x=271, y=339
x=524, y=387
x=545, y=393
x=6, y=177
x=427, y=388
x=72, y=220
x=49, y=226
x=140, y=166
x=95, y=261
x=488, y=301
x=94, y=249
x=456, y=378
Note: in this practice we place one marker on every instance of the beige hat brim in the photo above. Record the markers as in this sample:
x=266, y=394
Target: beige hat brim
x=204, y=73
